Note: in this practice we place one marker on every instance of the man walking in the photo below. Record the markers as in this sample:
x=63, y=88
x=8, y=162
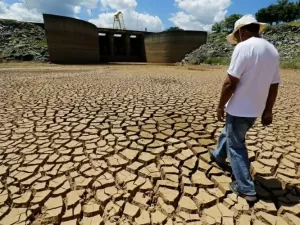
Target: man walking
x=250, y=90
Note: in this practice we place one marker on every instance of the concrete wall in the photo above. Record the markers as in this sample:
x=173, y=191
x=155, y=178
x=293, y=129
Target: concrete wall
x=75, y=41
x=171, y=47
x=71, y=40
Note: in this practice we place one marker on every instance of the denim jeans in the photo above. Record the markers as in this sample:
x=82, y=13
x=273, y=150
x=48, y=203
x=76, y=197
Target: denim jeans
x=232, y=144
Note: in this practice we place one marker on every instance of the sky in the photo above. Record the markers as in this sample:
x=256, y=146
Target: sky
x=155, y=15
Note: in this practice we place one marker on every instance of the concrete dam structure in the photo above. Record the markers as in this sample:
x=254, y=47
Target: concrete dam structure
x=73, y=41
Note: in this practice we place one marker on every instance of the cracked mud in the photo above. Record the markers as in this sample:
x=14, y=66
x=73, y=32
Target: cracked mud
x=129, y=145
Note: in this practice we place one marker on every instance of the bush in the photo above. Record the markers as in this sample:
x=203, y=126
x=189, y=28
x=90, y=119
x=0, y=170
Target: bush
x=268, y=28
x=286, y=64
x=295, y=24
x=291, y=64
x=217, y=61
x=171, y=29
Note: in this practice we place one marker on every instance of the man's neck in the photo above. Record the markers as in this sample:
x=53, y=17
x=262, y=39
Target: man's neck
x=251, y=36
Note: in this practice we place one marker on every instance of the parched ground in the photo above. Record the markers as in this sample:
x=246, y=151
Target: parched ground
x=127, y=145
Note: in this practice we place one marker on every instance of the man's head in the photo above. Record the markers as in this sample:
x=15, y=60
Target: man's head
x=244, y=28
x=246, y=32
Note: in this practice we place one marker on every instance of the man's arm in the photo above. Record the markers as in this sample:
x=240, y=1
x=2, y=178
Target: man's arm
x=236, y=68
x=228, y=89
x=267, y=117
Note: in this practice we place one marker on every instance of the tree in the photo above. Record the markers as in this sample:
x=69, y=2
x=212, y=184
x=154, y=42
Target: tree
x=282, y=2
x=226, y=25
x=262, y=15
x=171, y=29
x=283, y=11
x=273, y=12
x=289, y=12
x=218, y=27
x=230, y=21
x=298, y=7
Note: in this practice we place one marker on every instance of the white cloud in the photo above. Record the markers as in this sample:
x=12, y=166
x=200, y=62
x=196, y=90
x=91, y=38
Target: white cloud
x=77, y=9
x=132, y=19
x=89, y=11
x=199, y=14
x=91, y=4
x=18, y=11
x=119, y=4
x=32, y=10
x=60, y=7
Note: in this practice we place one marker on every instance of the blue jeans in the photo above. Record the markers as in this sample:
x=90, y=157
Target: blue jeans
x=232, y=144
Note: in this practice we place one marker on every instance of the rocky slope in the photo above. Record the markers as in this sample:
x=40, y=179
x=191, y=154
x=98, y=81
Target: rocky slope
x=22, y=41
x=286, y=38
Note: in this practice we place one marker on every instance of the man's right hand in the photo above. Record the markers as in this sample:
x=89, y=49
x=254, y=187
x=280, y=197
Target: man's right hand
x=220, y=114
x=267, y=118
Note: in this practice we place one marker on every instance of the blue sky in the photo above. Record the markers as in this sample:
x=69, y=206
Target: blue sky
x=165, y=8
x=155, y=15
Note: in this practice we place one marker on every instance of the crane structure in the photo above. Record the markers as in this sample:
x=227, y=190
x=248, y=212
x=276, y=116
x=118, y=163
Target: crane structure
x=119, y=21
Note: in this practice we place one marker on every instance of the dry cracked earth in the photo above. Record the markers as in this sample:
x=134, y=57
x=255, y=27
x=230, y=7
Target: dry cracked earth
x=120, y=145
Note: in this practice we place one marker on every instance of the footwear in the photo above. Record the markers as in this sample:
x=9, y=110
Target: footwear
x=249, y=198
x=223, y=166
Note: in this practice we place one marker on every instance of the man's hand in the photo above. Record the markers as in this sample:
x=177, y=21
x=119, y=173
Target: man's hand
x=220, y=114
x=228, y=89
x=267, y=118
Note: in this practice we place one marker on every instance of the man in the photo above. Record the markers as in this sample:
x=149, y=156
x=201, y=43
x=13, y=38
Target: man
x=250, y=90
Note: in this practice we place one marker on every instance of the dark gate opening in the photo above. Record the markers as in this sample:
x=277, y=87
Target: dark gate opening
x=104, y=48
x=119, y=45
x=136, y=45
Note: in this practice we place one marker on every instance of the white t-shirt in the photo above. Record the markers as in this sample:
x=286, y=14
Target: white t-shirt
x=256, y=63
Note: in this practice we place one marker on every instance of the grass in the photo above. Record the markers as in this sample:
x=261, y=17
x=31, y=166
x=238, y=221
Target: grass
x=295, y=23
x=40, y=44
x=9, y=64
x=217, y=61
x=293, y=64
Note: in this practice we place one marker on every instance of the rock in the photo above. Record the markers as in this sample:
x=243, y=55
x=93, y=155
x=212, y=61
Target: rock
x=27, y=57
x=22, y=41
x=284, y=37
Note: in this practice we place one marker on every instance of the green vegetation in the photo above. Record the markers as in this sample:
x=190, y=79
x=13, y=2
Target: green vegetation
x=291, y=64
x=12, y=64
x=295, y=23
x=282, y=12
x=226, y=25
x=7, y=22
x=217, y=61
x=171, y=29
x=41, y=44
